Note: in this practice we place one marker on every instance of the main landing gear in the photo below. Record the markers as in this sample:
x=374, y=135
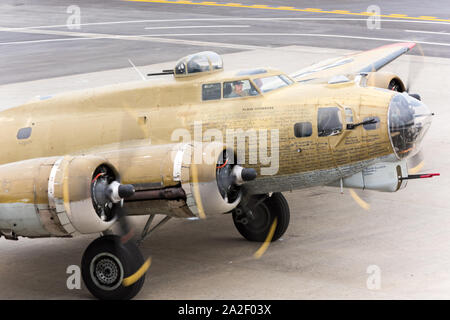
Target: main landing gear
x=254, y=219
x=106, y=262
x=113, y=267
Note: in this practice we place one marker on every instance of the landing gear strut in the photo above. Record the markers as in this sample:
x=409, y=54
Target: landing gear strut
x=254, y=219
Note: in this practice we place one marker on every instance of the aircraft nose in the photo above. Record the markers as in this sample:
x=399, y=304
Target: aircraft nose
x=409, y=120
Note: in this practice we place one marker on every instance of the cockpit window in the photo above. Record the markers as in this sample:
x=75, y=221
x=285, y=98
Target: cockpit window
x=239, y=88
x=211, y=91
x=329, y=121
x=272, y=83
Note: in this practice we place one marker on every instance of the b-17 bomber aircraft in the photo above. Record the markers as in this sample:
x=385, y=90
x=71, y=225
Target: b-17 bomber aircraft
x=199, y=141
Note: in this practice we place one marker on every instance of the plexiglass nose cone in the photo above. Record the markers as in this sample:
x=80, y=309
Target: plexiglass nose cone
x=409, y=120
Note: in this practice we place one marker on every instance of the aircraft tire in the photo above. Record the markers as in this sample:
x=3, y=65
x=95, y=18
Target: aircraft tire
x=106, y=262
x=258, y=228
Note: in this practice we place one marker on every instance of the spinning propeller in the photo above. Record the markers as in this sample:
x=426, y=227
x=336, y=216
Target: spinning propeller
x=416, y=162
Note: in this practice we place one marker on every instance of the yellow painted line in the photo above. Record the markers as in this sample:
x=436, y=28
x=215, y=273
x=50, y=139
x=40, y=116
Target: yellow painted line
x=341, y=11
x=128, y=281
x=397, y=15
x=427, y=17
x=258, y=254
x=416, y=168
x=359, y=201
x=283, y=8
x=197, y=195
x=260, y=6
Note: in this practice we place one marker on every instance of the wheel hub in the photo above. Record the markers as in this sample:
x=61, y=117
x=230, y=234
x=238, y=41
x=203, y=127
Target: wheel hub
x=106, y=271
x=257, y=219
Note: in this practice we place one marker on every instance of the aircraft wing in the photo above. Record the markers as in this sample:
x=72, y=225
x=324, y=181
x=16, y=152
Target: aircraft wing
x=366, y=61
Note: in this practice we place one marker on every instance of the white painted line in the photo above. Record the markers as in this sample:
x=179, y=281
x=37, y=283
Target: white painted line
x=160, y=38
x=219, y=19
x=296, y=35
x=195, y=27
x=431, y=32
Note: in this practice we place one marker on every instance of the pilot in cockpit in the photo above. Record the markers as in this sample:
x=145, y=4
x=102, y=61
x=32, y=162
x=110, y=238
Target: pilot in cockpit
x=238, y=90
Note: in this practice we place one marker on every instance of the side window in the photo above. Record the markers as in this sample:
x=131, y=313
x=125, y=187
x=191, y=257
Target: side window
x=329, y=121
x=239, y=88
x=372, y=126
x=211, y=91
x=348, y=115
x=303, y=129
x=24, y=133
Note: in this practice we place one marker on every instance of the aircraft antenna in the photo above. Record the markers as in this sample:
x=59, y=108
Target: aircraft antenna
x=137, y=70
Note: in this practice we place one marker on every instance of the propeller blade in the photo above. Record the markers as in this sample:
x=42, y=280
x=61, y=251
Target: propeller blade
x=416, y=162
x=413, y=71
x=125, y=230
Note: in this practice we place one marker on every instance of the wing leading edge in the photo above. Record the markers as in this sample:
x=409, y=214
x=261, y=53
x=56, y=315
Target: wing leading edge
x=366, y=61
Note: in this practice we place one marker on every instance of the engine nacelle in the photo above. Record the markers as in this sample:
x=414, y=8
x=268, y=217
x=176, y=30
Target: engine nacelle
x=70, y=194
x=192, y=180
x=66, y=196
x=50, y=197
x=207, y=183
x=385, y=80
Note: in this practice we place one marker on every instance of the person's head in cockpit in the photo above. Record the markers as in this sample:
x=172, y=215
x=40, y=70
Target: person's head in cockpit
x=238, y=88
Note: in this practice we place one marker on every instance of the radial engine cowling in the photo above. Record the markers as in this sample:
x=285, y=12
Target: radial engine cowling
x=385, y=80
x=52, y=197
x=209, y=177
x=71, y=196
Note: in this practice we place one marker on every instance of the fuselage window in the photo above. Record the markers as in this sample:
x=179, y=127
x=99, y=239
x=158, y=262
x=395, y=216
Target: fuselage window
x=348, y=115
x=24, y=133
x=329, y=121
x=372, y=126
x=303, y=129
x=239, y=88
x=211, y=91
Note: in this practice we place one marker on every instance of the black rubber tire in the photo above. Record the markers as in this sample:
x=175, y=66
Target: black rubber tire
x=106, y=248
x=275, y=206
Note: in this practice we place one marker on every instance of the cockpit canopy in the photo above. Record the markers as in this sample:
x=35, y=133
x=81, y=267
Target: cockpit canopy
x=201, y=62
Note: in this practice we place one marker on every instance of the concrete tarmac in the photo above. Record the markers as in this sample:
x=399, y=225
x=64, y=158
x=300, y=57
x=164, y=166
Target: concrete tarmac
x=330, y=246
x=40, y=39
